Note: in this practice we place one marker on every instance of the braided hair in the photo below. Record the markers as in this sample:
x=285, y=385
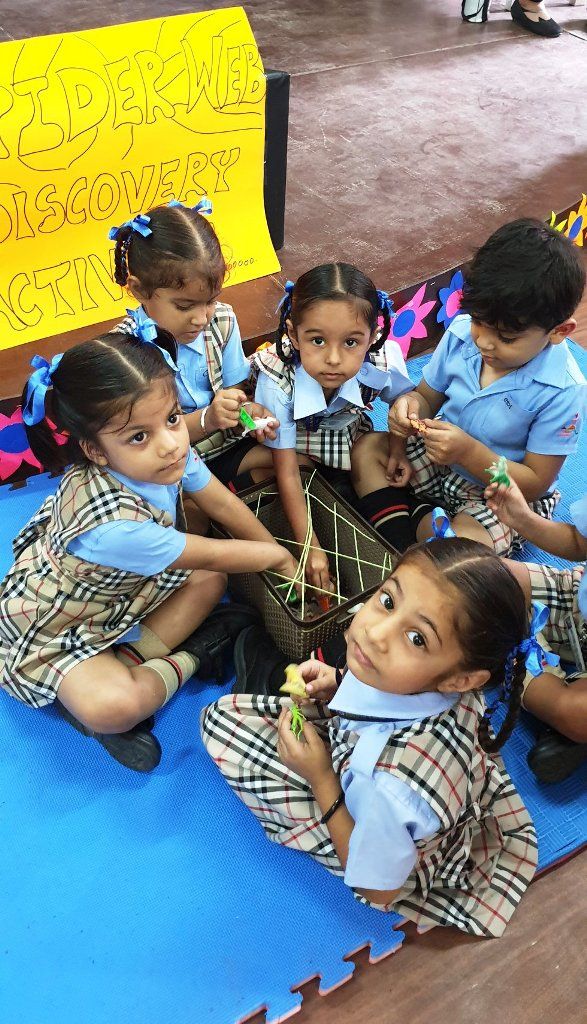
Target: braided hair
x=333, y=282
x=492, y=621
x=180, y=243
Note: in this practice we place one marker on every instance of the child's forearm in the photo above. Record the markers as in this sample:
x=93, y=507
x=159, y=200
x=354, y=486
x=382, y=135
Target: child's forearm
x=291, y=492
x=560, y=539
x=478, y=457
x=340, y=826
x=193, y=422
x=223, y=506
x=231, y=556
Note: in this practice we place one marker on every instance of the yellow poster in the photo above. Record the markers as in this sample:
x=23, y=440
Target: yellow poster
x=98, y=126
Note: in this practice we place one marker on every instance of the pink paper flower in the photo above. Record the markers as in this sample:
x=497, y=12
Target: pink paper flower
x=408, y=322
x=14, y=445
x=450, y=299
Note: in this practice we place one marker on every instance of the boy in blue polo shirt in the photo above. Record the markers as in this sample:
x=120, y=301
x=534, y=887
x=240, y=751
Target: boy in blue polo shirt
x=502, y=381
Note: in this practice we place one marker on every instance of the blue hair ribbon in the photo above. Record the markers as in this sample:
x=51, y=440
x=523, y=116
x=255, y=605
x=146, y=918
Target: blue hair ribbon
x=536, y=657
x=285, y=303
x=140, y=224
x=203, y=206
x=33, y=410
x=441, y=525
x=146, y=330
x=385, y=302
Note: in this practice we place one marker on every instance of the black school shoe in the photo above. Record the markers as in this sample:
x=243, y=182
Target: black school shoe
x=136, y=749
x=259, y=665
x=215, y=639
x=555, y=757
x=547, y=28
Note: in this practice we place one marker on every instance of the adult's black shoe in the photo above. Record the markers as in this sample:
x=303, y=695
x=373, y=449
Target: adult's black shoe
x=535, y=21
x=136, y=749
x=214, y=640
x=258, y=663
x=555, y=757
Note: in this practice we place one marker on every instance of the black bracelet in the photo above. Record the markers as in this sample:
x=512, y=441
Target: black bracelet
x=339, y=800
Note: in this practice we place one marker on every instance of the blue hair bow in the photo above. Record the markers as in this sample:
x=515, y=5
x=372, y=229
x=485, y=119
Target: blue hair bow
x=535, y=655
x=285, y=303
x=385, y=302
x=140, y=224
x=33, y=410
x=145, y=330
x=440, y=525
x=204, y=205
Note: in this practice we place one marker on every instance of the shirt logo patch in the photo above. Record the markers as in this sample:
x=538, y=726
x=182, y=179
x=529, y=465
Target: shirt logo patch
x=571, y=428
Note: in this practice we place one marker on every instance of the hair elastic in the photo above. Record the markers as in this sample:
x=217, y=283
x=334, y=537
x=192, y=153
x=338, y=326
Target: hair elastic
x=140, y=224
x=33, y=410
x=440, y=525
x=203, y=206
x=385, y=302
x=285, y=303
x=146, y=330
x=535, y=656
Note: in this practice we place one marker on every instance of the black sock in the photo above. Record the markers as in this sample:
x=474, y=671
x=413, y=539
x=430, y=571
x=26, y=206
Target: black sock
x=388, y=511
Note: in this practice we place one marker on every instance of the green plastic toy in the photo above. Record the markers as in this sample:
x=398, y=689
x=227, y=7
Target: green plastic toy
x=297, y=720
x=498, y=471
x=246, y=420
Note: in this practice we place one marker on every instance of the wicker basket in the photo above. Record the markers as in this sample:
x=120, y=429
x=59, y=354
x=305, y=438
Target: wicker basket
x=371, y=561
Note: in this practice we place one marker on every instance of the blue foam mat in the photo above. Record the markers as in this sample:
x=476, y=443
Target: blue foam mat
x=158, y=897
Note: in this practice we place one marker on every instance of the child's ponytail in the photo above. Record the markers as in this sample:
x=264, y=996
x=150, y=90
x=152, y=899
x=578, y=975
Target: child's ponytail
x=45, y=446
x=527, y=656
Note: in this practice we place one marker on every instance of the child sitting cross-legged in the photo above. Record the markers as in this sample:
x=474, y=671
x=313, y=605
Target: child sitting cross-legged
x=502, y=381
x=395, y=782
x=104, y=610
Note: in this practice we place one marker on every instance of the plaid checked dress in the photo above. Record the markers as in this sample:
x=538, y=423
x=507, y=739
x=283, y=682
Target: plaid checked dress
x=57, y=610
x=216, y=337
x=327, y=439
x=471, y=874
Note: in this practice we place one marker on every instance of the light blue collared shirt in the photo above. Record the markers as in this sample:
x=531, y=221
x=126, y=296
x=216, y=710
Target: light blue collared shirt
x=193, y=383
x=578, y=512
x=145, y=548
x=308, y=399
x=537, y=408
x=389, y=816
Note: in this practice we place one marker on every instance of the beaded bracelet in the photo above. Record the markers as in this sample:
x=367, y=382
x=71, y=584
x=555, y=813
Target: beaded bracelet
x=327, y=816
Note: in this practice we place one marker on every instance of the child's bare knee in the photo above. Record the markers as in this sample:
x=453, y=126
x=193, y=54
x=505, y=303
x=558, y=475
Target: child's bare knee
x=116, y=708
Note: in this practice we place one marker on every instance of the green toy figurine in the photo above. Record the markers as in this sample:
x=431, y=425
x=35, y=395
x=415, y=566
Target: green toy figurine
x=498, y=471
x=246, y=420
x=297, y=721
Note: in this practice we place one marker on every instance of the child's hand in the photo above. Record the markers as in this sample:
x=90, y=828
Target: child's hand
x=223, y=412
x=445, y=443
x=259, y=412
x=508, y=503
x=286, y=564
x=308, y=756
x=320, y=680
x=399, y=471
x=317, y=570
x=404, y=409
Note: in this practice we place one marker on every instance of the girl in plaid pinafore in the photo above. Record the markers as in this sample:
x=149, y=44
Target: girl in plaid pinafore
x=319, y=382
x=396, y=784
x=170, y=259
x=104, y=586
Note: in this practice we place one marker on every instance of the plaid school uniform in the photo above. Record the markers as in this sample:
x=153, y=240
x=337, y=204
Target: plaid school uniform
x=471, y=874
x=442, y=486
x=326, y=439
x=216, y=336
x=57, y=610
